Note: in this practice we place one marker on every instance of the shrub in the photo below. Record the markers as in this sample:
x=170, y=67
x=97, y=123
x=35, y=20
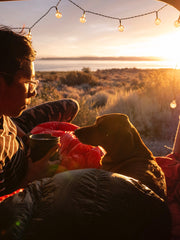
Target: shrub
x=99, y=99
x=86, y=70
x=77, y=78
x=150, y=116
x=86, y=115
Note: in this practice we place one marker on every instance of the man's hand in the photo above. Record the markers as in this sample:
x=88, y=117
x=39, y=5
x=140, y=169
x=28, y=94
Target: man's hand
x=42, y=168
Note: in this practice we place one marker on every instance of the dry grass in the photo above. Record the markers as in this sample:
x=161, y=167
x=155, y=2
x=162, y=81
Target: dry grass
x=144, y=95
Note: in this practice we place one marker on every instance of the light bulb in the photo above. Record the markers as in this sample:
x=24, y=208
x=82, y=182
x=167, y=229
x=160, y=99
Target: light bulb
x=177, y=22
x=173, y=104
x=157, y=21
x=29, y=36
x=121, y=28
x=58, y=14
x=83, y=18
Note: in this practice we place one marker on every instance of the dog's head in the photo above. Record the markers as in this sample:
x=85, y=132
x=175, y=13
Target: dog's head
x=115, y=133
x=110, y=131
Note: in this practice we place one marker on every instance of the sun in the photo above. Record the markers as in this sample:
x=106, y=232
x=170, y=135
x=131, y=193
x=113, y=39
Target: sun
x=169, y=48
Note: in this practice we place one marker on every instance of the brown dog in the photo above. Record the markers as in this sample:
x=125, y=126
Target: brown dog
x=125, y=151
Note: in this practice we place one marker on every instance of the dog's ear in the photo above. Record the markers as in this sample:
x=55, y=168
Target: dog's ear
x=141, y=149
x=122, y=146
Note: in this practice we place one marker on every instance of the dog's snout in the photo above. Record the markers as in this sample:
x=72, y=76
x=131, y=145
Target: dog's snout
x=80, y=134
x=76, y=132
x=86, y=135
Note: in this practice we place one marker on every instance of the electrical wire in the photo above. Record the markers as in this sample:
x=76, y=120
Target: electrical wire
x=83, y=20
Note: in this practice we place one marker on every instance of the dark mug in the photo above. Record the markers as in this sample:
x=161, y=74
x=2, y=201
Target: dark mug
x=40, y=144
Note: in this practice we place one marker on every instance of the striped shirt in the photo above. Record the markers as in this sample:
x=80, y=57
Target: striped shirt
x=13, y=164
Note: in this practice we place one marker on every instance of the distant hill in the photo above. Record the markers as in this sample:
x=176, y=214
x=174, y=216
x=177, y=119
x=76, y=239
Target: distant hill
x=105, y=58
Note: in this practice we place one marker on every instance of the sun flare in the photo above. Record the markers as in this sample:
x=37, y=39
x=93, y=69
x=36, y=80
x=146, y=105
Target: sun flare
x=169, y=49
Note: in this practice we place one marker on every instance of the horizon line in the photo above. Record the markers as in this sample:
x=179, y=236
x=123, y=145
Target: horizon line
x=122, y=58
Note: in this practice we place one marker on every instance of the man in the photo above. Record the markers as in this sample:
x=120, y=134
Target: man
x=17, y=87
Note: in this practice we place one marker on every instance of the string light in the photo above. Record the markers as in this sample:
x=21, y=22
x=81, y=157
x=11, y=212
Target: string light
x=121, y=27
x=58, y=14
x=29, y=35
x=83, y=18
x=157, y=20
x=177, y=22
x=173, y=104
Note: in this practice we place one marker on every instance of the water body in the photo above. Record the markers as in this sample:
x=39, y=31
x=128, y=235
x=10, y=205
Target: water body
x=77, y=65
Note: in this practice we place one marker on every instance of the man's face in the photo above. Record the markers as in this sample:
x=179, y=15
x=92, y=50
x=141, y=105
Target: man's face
x=16, y=97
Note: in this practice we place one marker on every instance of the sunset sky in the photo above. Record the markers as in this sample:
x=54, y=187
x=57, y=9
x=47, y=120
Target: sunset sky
x=99, y=36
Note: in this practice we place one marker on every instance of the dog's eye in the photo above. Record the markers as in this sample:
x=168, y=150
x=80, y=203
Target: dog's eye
x=100, y=127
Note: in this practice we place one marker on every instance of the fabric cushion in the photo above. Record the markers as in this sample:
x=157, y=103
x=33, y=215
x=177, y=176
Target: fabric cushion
x=171, y=167
x=74, y=154
x=86, y=203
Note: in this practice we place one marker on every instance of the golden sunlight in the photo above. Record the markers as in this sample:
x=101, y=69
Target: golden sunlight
x=169, y=48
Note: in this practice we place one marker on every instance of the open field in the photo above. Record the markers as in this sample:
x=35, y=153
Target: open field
x=144, y=95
